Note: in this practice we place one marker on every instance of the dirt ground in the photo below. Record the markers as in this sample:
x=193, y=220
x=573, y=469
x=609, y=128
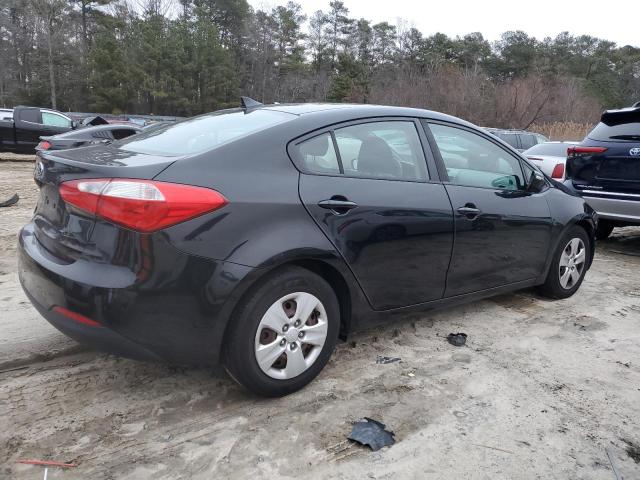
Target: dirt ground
x=542, y=390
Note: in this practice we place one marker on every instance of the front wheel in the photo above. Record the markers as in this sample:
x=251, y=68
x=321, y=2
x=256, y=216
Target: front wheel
x=283, y=333
x=569, y=265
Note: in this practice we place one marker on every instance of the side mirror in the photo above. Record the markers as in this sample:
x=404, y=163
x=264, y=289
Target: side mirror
x=537, y=182
x=74, y=124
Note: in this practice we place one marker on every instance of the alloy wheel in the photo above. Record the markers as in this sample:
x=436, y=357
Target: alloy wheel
x=291, y=335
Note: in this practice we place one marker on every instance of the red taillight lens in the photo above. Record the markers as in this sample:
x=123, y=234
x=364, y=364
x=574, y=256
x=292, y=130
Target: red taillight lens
x=580, y=150
x=44, y=145
x=558, y=171
x=142, y=205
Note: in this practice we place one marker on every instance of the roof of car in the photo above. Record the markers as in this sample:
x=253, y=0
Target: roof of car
x=361, y=110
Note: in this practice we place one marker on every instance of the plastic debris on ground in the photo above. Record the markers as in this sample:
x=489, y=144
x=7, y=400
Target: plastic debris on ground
x=384, y=360
x=11, y=201
x=457, y=339
x=372, y=433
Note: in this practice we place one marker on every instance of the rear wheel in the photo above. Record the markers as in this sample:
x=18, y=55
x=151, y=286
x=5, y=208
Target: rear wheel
x=283, y=333
x=603, y=230
x=569, y=265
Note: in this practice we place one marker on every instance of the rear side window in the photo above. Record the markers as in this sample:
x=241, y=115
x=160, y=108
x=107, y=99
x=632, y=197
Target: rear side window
x=318, y=155
x=121, y=133
x=527, y=140
x=474, y=161
x=510, y=138
x=629, y=132
x=199, y=134
x=386, y=150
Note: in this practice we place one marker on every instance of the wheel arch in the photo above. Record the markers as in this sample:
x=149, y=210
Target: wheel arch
x=349, y=296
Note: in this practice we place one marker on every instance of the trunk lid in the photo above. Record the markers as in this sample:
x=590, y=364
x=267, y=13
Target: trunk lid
x=64, y=231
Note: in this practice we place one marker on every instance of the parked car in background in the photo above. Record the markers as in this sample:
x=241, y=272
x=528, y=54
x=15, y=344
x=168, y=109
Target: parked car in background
x=518, y=139
x=605, y=169
x=255, y=237
x=22, y=132
x=88, y=136
x=550, y=157
x=6, y=114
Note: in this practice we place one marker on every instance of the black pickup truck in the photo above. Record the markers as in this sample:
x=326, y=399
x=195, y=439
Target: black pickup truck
x=22, y=127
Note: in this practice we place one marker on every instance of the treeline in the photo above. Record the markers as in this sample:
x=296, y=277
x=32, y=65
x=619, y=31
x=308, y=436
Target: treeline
x=161, y=57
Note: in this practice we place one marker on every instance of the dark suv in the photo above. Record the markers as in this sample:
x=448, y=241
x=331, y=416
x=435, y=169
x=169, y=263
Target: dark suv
x=605, y=169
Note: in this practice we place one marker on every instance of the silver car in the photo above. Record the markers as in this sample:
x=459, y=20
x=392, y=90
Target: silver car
x=550, y=157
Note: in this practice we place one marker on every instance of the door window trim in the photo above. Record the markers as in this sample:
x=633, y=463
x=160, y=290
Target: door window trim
x=442, y=169
x=430, y=163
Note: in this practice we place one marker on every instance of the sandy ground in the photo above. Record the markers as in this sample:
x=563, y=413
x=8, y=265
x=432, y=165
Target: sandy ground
x=542, y=390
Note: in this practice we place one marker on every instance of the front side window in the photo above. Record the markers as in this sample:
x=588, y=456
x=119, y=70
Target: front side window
x=472, y=160
x=387, y=150
x=55, y=120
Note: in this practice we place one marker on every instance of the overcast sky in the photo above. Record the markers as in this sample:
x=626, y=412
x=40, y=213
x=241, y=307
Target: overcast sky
x=540, y=18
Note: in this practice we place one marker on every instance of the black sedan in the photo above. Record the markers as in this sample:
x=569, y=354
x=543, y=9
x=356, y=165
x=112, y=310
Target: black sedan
x=88, y=136
x=257, y=237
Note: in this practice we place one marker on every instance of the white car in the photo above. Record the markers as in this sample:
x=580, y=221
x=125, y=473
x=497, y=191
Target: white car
x=550, y=157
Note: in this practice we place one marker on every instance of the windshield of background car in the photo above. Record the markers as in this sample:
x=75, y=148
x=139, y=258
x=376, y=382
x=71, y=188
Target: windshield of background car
x=617, y=132
x=199, y=134
x=551, y=149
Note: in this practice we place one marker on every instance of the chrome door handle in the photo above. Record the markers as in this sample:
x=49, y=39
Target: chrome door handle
x=469, y=211
x=338, y=206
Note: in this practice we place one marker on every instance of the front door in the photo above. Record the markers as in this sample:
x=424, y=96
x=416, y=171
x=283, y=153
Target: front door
x=367, y=187
x=502, y=231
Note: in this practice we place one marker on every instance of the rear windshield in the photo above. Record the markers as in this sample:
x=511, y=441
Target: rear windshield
x=629, y=132
x=199, y=134
x=551, y=149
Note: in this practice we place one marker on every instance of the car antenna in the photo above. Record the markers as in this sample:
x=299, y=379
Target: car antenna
x=249, y=104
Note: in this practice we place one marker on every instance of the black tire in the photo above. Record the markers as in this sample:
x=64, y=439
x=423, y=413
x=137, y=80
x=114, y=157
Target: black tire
x=552, y=287
x=603, y=230
x=239, y=355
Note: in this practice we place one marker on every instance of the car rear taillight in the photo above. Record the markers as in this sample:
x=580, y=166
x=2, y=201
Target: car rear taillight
x=581, y=150
x=43, y=145
x=558, y=171
x=141, y=205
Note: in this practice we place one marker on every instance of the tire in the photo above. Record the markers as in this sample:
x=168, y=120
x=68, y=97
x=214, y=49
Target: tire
x=274, y=362
x=603, y=230
x=561, y=282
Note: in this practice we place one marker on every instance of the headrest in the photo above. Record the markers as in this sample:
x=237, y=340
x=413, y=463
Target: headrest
x=316, y=147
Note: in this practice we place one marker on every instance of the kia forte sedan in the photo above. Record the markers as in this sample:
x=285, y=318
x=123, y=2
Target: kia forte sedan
x=256, y=237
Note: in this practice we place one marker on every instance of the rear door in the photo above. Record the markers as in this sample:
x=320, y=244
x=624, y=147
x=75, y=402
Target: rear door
x=502, y=232
x=368, y=187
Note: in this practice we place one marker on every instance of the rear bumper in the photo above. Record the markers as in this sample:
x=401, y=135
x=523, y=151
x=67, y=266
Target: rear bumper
x=163, y=305
x=623, y=210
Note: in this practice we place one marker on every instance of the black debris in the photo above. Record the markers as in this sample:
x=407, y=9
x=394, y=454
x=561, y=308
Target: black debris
x=11, y=201
x=633, y=450
x=372, y=433
x=457, y=339
x=385, y=360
